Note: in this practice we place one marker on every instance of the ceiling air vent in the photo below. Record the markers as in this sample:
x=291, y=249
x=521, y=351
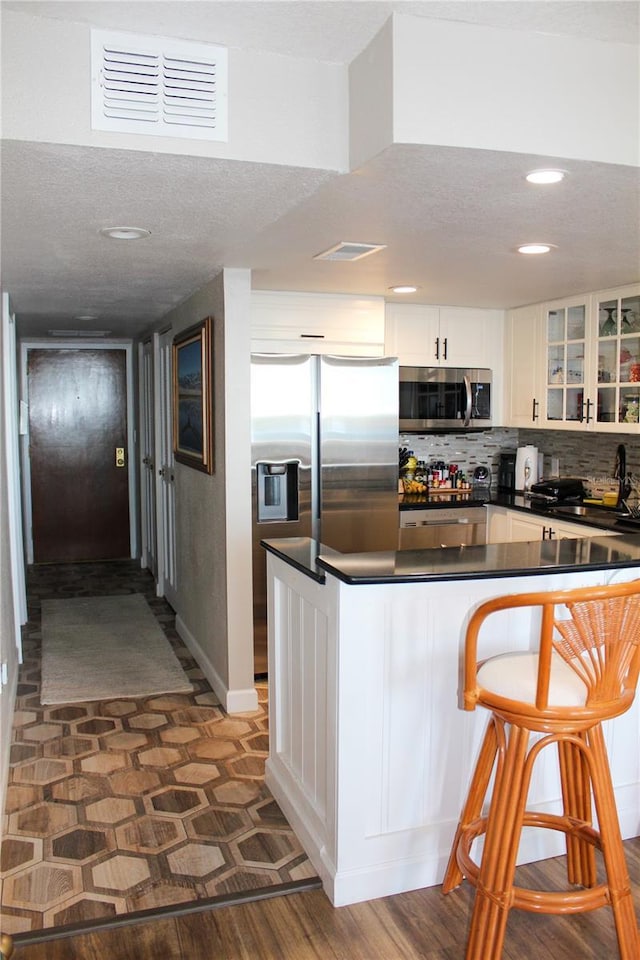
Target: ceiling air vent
x=159, y=86
x=347, y=250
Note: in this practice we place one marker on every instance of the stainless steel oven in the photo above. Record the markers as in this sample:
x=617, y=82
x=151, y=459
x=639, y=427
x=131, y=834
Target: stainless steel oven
x=440, y=398
x=442, y=527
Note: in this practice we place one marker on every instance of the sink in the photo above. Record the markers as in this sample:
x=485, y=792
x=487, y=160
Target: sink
x=597, y=514
x=574, y=509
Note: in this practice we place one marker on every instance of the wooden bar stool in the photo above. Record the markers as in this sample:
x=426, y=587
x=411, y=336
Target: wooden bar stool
x=586, y=671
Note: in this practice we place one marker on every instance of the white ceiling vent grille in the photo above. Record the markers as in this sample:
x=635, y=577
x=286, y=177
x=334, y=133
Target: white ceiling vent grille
x=349, y=250
x=159, y=86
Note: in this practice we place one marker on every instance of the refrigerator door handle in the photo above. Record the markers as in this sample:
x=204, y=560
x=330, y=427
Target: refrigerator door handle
x=316, y=494
x=467, y=411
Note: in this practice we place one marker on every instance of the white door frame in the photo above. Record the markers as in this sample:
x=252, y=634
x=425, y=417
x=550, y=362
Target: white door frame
x=127, y=346
x=164, y=462
x=147, y=455
x=12, y=427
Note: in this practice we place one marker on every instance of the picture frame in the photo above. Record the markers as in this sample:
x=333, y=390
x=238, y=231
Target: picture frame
x=192, y=396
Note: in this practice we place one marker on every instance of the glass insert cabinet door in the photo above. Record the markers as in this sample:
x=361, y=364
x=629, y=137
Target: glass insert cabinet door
x=618, y=352
x=566, y=344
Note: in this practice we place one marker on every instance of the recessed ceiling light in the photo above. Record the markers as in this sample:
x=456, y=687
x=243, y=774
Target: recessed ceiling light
x=85, y=318
x=403, y=289
x=533, y=248
x=125, y=233
x=546, y=176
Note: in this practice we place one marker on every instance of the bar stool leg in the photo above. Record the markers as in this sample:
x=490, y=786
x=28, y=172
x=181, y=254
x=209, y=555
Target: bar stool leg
x=475, y=798
x=612, y=848
x=495, y=880
x=576, y=794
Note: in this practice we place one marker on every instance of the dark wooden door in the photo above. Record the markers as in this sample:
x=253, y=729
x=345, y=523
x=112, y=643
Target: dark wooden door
x=77, y=420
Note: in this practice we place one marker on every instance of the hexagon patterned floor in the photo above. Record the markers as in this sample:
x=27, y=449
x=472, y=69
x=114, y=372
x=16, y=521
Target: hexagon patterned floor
x=120, y=806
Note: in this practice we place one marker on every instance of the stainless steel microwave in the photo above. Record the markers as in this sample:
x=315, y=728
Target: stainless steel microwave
x=444, y=398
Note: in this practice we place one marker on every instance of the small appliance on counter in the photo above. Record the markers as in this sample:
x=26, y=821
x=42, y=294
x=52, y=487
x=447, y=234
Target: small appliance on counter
x=481, y=483
x=526, y=467
x=558, y=490
x=507, y=472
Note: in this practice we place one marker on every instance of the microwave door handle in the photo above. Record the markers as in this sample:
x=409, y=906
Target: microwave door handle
x=467, y=411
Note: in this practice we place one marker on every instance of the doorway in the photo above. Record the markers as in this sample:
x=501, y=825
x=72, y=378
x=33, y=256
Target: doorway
x=79, y=468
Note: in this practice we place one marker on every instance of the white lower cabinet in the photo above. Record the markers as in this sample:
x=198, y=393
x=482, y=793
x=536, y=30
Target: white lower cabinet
x=369, y=752
x=511, y=526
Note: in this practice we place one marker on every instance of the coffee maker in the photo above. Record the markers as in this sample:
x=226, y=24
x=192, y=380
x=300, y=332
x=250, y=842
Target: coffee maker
x=507, y=472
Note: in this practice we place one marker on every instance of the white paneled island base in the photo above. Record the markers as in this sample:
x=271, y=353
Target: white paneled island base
x=370, y=755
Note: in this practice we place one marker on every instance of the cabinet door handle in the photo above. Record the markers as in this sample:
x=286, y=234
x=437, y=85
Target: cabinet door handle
x=445, y=349
x=534, y=411
x=588, y=418
x=312, y=336
x=437, y=348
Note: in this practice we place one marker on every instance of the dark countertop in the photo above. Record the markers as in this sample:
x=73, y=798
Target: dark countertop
x=603, y=517
x=459, y=563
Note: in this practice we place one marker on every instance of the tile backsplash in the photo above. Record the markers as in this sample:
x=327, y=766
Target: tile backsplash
x=468, y=450
x=579, y=454
x=585, y=454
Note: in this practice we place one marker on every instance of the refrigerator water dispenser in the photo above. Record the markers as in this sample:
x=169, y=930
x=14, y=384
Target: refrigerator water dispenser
x=277, y=491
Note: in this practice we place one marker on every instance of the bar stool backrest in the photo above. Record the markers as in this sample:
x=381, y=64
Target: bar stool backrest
x=596, y=631
x=601, y=642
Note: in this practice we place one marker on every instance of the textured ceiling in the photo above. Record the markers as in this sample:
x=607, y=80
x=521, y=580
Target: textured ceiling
x=335, y=30
x=450, y=218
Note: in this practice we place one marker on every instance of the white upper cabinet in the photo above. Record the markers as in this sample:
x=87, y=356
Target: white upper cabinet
x=567, y=340
x=289, y=322
x=616, y=359
x=523, y=339
x=592, y=362
x=434, y=336
x=575, y=363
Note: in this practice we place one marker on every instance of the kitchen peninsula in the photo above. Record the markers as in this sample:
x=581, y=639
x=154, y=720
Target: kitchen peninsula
x=370, y=754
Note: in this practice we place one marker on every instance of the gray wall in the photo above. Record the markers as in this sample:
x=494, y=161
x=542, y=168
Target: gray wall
x=213, y=545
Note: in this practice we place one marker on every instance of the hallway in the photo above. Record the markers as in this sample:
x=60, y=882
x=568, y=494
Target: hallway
x=120, y=806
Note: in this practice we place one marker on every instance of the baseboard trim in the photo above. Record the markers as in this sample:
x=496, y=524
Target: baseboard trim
x=233, y=701
x=157, y=913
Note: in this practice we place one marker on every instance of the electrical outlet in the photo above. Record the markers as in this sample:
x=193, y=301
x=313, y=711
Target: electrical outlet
x=4, y=673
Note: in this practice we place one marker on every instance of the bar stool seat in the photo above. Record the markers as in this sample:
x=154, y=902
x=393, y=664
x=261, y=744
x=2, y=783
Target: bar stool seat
x=585, y=671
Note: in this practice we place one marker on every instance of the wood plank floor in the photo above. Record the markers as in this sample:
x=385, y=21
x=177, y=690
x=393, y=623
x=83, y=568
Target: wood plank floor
x=304, y=926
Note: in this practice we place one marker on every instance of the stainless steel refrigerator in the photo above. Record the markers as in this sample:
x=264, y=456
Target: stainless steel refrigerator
x=324, y=433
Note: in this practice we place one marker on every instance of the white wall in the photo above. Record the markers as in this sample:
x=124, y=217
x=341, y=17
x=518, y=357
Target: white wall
x=8, y=650
x=447, y=83
x=555, y=96
x=282, y=110
x=237, y=514
x=371, y=98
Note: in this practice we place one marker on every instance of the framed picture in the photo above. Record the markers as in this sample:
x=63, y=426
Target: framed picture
x=192, y=396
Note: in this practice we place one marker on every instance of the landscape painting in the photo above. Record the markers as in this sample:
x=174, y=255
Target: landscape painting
x=192, y=413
